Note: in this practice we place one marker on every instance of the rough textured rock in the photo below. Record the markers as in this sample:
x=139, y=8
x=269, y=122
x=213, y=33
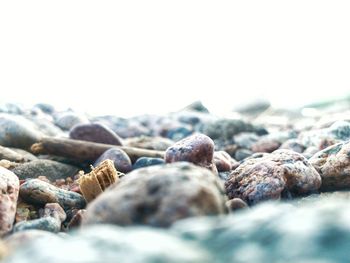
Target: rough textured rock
x=39, y=192
x=67, y=120
x=197, y=149
x=224, y=162
x=17, y=131
x=120, y=159
x=9, y=185
x=50, y=169
x=152, y=143
x=333, y=164
x=146, y=161
x=112, y=244
x=51, y=221
x=265, y=176
x=317, y=231
x=95, y=132
x=158, y=196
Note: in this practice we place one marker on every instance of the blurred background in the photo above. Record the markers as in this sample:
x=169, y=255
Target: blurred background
x=134, y=57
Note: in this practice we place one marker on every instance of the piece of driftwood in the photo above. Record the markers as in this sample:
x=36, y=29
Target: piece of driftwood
x=84, y=151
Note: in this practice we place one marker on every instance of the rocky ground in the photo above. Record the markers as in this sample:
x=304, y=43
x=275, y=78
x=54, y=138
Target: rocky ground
x=268, y=185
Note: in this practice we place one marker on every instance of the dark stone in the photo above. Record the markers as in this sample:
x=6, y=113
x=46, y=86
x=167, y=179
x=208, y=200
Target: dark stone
x=241, y=154
x=147, y=161
x=95, y=132
x=121, y=160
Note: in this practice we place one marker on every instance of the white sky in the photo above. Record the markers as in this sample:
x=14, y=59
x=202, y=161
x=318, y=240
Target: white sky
x=132, y=57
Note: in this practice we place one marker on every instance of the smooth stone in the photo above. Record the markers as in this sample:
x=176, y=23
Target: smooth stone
x=38, y=192
x=265, y=145
x=246, y=139
x=265, y=176
x=50, y=169
x=158, y=196
x=46, y=108
x=147, y=161
x=236, y=204
x=67, y=120
x=294, y=145
x=121, y=160
x=242, y=154
x=18, y=132
x=224, y=162
x=197, y=149
x=95, y=132
x=9, y=187
x=333, y=164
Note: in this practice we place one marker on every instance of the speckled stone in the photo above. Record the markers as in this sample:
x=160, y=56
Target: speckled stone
x=158, y=196
x=50, y=169
x=265, y=176
x=197, y=149
x=333, y=164
x=121, y=160
x=95, y=132
x=9, y=185
x=39, y=192
x=147, y=161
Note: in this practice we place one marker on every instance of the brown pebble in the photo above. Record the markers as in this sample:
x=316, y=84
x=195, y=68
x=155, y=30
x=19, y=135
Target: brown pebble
x=236, y=204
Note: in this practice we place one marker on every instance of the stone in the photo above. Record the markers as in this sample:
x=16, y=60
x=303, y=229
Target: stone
x=294, y=145
x=120, y=159
x=26, y=156
x=147, y=161
x=77, y=219
x=66, y=120
x=10, y=155
x=246, y=139
x=253, y=107
x=265, y=145
x=224, y=162
x=241, y=154
x=18, y=132
x=35, y=191
x=147, y=142
x=333, y=164
x=50, y=169
x=265, y=176
x=158, y=196
x=197, y=149
x=236, y=204
x=111, y=244
x=9, y=185
x=196, y=106
x=45, y=107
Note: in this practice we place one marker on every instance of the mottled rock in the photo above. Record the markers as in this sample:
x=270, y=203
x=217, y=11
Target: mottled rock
x=236, y=204
x=50, y=169
x=9, y=185
x=95, y=132
x=39, y=192
x=197, y=149
x=18, y=132
x=158, y=196
x=294, y=145
x=147, y=161
x=333, y=164
x=120, y=159
x=69, y=119
x=147, y=142
x=224, y=162
x=265, y=176
x=241, y=154
x=112, y=244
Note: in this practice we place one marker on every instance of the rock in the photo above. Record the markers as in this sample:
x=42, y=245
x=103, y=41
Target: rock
x=236, y=204
x=196, y=106
x=47, y=127
x=197, y=149
x=224, y=162
x=77, y=219
x=275, y=232
x=26, y=156
x=11, y=108
x=265, y=176
x=50, y=169
x=9, y=185
x=178, y=133
x=95, y=132
x=51, y=221
x=25, y=212
x=333, y=164
x=67, y=120
x=158, y=196
x=246, y=139
x=10, y=155
x=147, y=142
x=120, y=159
x=35, y=191
x=241, y=154
x=18, y=132
x=294, y=145
x=265, y=145
x=46, y=108
x=147, y=161
x=112, y=244
x=253, y=108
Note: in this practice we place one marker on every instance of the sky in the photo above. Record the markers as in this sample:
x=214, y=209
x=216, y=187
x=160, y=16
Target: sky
x=135, y=57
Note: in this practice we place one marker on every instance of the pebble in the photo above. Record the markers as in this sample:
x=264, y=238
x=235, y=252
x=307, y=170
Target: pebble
x=265, y=176
x=197, y=149
x=50, y=169
x=147, y=161
x=236, y=204
x=95, y=132
x=241, y=154
x=67, y=120
x=9, y=187
x=120, y=159
x=224, y=162
x=38, y=192
x=77, y=219
x=333, y=164
x=159, y=196
x=294, y=145
x=17, y=131
x=147, y=142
